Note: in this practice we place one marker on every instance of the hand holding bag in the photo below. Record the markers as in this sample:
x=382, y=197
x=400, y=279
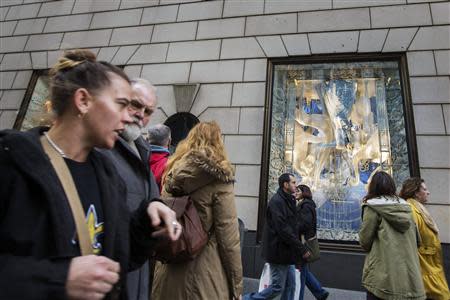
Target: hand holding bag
x=314, y=249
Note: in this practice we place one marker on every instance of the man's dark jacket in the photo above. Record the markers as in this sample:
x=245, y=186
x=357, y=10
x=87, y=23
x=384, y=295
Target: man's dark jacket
x=281, y=244
x=133, y=168
x=36, y=225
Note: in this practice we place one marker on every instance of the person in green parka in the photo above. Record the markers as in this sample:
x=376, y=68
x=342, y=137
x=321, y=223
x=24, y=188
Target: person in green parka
x=389, y=235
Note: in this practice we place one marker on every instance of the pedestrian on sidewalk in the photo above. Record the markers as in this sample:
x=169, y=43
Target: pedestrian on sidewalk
x=388, y=233
x=415, y=191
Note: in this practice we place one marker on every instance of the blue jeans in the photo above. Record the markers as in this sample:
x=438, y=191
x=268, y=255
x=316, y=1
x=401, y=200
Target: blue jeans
x=278, y=287
x=306, y=278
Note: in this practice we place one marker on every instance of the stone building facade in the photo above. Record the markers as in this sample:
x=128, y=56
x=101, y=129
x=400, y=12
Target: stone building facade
x=226, y=47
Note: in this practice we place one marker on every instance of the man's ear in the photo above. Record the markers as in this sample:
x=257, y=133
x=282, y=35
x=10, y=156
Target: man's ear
x=82, y=100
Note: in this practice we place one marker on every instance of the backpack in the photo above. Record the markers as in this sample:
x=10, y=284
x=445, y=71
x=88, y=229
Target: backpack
x=193, y=237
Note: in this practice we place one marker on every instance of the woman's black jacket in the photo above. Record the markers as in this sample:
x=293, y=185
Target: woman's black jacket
x=307, y=218
x=36, y=225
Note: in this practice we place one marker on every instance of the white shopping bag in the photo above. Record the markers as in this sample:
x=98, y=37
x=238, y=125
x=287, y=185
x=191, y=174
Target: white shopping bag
x=264, y=281
x=297, y=284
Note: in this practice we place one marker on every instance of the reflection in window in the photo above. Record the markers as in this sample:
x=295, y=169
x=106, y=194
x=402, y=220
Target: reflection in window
x=333, y=125
x=38, y=112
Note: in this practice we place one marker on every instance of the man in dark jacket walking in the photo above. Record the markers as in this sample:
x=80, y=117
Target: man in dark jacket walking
x=281, y=245
x=130, y=156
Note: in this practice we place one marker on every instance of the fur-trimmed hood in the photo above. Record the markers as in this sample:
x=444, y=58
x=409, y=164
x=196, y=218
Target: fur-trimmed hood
x=195, y=169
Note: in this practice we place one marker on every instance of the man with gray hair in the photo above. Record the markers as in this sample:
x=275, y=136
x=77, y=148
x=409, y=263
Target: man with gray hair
x=159, y=137
x=130, y=156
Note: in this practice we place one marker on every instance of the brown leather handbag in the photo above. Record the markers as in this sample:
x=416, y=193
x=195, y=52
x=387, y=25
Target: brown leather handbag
x=193, y=238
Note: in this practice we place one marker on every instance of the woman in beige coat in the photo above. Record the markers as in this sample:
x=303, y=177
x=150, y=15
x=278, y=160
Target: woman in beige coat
x=200, y=168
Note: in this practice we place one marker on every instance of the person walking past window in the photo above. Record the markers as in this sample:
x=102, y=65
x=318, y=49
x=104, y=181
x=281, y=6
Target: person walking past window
x=415, y=191
x=388, y=233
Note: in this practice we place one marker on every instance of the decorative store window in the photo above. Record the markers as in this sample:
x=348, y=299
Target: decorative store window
x=333, y=124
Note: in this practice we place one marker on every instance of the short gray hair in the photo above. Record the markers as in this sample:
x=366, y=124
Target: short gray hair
x=159, y=134
x=143, y=82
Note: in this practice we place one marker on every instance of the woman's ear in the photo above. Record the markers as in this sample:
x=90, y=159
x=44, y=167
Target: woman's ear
x=82, y=100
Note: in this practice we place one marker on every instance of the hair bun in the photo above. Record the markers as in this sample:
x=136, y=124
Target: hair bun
x=72, y=58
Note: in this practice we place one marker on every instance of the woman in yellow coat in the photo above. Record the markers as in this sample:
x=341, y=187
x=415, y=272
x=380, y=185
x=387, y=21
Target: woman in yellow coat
x=416, y=193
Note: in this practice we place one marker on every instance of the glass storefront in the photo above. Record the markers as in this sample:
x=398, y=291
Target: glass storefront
x=333, y=125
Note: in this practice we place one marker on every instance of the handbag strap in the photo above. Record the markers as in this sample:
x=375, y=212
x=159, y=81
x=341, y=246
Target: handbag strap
x=71, y=192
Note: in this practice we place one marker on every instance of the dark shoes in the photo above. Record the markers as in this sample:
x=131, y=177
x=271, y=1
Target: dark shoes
x=324, y=296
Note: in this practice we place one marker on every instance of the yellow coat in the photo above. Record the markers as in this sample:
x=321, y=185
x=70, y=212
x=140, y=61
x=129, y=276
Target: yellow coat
x=430, y=256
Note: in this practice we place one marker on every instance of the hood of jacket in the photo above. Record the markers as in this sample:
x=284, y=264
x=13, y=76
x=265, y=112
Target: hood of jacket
x=196, y=169
x=396, y=211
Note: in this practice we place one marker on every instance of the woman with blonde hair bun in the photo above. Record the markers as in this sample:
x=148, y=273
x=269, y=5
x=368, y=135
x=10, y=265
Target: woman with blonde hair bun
x=65, y=229
x=200, y=168
x=415, y=191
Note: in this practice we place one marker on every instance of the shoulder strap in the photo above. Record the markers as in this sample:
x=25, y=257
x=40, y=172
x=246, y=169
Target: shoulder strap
x=71, y=192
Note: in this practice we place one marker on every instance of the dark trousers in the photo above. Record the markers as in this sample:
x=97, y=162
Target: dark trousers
x=371, y=296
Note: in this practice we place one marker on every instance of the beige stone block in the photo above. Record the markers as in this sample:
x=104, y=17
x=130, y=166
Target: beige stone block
x=200, y=11
x=133, y=71
x=196, y=50
x=159, y=14
x=284, y=6
x=211, y=95
x=7, y=119
x=123, y=55
x=364, y=3
x=221, y=28
x=247, y=180
x=431, y=38
x=247, y=208
x=107, y=53
x=399, y=39
x=12, y=99
x=334, y=20
x=437, y=182
x=154, y=53
x=84, y=39
x=227, y=118
x=23, y=11
x=244, y=149
x=166, y=73
x=249, y=94
x=272, y=24
x=434, y=151
x=12, y=44
x=16, y=61
x=7, y=28
x=251, y=120
x=255, y=70
x=333, y=42
x=22, y=80
x=10, y=2
x=39, y=60
x=234, y=8
x=174, y=32
x=116, y=19
x=158, y=117
x=442, y=58
x=241, y=48
x=430, y=89
x=371, y=40
x=55, y=8
x=400, y=15
x=44, y=42
x=217, y=71
x=296, y=44
x=164, y=2
x=421, y=63
x=138, y=3
x=440, y=13
x=68, y=23
x=429, y=119
x=272, y=46
x=3, y=12
x=30, y=26
x=131, y=35
x=440, y=214
x=166, y=99
x=53, y=56
x=446, y=110
x=83, y=6
x=6, y=80
x=419, y=1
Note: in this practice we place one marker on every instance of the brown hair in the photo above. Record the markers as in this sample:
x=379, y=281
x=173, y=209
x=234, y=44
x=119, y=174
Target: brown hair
x=77, y=69
x=306, y=191
x=410, y=187
x=381, y=184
